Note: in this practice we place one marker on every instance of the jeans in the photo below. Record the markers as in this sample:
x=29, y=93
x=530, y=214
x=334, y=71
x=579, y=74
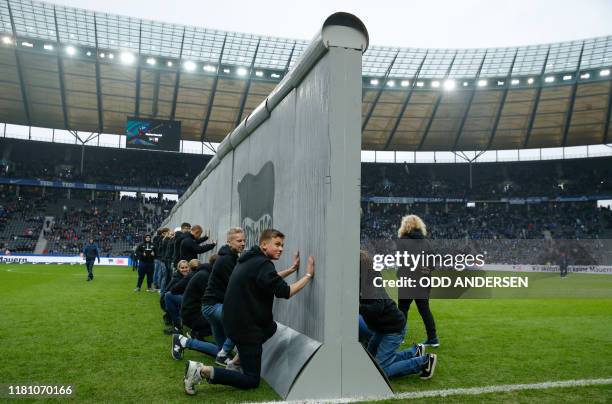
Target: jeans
x=145, y=268
x=213, y=315
x=89, y=263
x=156, y=269
x=202, y=346
x=424, y=311
x=173, y=307
x=250, y=361
x=165, y=277
x=383, y=348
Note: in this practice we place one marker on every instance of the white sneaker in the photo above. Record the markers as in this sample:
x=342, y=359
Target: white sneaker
x=192, y=376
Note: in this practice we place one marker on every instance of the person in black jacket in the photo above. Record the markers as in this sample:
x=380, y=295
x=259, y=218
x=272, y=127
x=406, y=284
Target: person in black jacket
x=90, y=253
x=168, y=251
x=145, y=254
x=178, y=239
x=157, y=262
x=212, y=300
x=247, y=311
x=191, y=308
x=191, y=315
x=414, y=231
x=191, y=245
x=174, y=296
x=388, y=326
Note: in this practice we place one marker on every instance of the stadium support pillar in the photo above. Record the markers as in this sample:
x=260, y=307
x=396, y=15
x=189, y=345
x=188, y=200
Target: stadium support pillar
x=17, y=190
x=294, y=164
x=471, y=168
x=68, y=194
x=82, y=157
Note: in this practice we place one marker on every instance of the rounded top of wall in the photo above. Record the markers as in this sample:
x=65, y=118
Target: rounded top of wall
x=345, y=30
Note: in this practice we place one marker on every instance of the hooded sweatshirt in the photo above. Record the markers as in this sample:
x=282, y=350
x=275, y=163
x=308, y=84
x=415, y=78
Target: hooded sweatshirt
x=192, y=298
x=220, y=276
x=190, y=247
x=247, y=309
x=144, y=251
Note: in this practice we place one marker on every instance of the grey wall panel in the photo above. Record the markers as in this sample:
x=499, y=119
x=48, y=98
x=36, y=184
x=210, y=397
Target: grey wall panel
x=298, y=170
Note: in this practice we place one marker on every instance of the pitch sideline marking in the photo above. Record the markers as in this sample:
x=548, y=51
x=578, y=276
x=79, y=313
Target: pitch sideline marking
x=502, y=388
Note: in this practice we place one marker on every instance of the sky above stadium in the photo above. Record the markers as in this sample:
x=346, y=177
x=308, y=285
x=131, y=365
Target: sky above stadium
x=427, y=24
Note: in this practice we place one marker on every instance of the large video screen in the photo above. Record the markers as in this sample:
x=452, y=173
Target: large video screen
x=153, y=134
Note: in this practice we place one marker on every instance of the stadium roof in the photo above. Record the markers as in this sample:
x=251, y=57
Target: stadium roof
x=75, y=69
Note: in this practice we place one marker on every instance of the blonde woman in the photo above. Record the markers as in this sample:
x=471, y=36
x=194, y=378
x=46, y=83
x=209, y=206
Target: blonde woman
x=413, y=228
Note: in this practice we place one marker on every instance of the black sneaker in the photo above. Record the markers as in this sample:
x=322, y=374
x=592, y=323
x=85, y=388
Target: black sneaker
x=420, y=350
x=429, y=367
x=177, y=347
x=172, y=330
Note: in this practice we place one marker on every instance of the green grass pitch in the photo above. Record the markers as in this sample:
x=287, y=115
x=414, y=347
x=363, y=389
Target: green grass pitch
x=107, y=341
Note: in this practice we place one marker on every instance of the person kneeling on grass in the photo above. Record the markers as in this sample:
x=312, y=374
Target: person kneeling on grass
x=387, y=325
x=173, y=298
x=191, y=307
x=247, y=312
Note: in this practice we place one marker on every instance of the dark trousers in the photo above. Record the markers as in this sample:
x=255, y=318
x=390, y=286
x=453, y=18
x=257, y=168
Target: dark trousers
x=89, y=264
x=250, y=361
x=424, y=311
x=198, y=324
x=145, y=268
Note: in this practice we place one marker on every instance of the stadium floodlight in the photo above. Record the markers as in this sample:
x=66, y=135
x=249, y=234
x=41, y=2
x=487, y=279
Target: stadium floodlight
x=88, y=53
x=169, y=63
x=500, y=82
x=585, y=76
x=127, y=57
x=449, y=85
x=151, y=61
x=227, y=71
x=420, y=84
x=465, y=84
x=374, y=82
x=530, y=80
x=549, y=79
x=515, y=82
x=48, y=47
x=7, y=40
x=71, y=50
x=567, y=77
x=189, y=65
x=275, y=76
x=259, y=73
x=209, y=68
x=111, y=56
x=605, y=72
x=391, y=83
x=102, y=55
x=482, y=83
x=27, y=44
x=435, y=84
x=242, y=71
x=405, y=83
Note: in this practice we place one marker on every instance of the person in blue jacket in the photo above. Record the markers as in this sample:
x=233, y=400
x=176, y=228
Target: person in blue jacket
x=90, y=253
